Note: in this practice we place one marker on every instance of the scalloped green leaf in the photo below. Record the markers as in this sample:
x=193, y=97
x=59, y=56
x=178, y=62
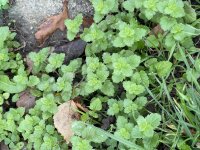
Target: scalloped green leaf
x=7, y=86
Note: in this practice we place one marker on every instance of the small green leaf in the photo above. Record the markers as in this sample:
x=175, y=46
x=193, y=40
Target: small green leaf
x=55, y=61
x=73, y=26
x=174, y=8
x=47, y=104
x=190, y=14
x=149, y=14
x=108, y=88
x=114, y=107
x=167, y=23
x=1, y=100
x=33, y=81
x=154, y=120
x=6, y=95
x=15, y=98
x=178, y=31
x=163, y=68
x=96, y=104
x=152, y=41
x=169, y=41
x=118, y=42
x=4, y=32
x=129, y=5
x=10, y=87
x=148, y=124
x=133, y=88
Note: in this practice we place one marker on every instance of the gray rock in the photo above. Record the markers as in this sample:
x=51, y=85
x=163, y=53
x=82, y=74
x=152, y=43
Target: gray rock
x=29, y=14
x=80, y=6
x=72, y=49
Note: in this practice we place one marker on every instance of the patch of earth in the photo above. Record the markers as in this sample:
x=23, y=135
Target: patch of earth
x=1, y=19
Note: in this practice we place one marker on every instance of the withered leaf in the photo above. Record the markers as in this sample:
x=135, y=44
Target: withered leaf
x=51, y=25
x=157, y=30
x=3, y=146
x=64, y=117
x=26, y=100
x=87, y=22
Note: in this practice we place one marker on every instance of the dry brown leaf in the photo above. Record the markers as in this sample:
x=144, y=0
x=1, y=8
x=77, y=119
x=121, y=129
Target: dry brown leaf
x=80, y=106
x=156, y=30
x=3, y=146
x=87, y=22
x=51, y=25
x=64, y=117
x=26, y=100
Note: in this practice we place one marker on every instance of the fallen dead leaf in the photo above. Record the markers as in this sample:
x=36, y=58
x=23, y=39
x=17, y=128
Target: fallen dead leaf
x=77, y=101
x=156, y=30
x=26, y=100
x=81, y=107
x=64, y=117
x=87, y=22
x=51, y=25
x=3, y=146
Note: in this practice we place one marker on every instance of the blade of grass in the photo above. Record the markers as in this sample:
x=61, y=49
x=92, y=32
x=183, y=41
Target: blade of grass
x=159, y=104
x=119, y=139
x=188, y=67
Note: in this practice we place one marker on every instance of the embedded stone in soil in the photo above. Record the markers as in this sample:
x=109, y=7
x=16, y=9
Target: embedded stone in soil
x=72, y=49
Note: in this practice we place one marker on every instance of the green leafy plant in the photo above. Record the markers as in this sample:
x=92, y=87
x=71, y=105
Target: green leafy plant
x=73, y=26
x=103, y=7
x=3, y=4
x=6, y=40
x=137, y=85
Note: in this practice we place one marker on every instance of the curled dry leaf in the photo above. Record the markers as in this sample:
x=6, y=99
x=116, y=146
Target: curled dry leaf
x=64, y=117
x=26, y=100
x=51, y=25
x=77, y=101
x=81, y=107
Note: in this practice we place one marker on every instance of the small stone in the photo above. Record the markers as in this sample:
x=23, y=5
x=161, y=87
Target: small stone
x=80, y=6
x=72, y=49
x=28, y=15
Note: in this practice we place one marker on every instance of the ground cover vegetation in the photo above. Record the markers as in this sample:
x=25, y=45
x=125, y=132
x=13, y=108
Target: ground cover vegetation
x=138, y=83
